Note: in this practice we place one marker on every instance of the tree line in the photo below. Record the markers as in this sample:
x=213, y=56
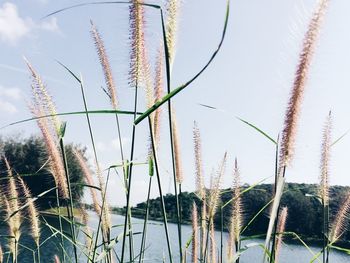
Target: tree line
x=304, y=217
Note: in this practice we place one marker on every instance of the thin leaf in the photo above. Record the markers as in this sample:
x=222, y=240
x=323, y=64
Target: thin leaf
x=244, y=121
x=183, y=86
x=74, y=113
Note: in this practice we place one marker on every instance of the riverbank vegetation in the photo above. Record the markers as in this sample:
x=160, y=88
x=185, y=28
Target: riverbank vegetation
x=299, y=198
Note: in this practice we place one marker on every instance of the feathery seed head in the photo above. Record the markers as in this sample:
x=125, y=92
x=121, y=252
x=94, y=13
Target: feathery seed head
x=215, y=192
x=137, y=41
x=177, y=150
x=340, y=223
x=106, y=213
x=88, y=179
x=172, y=8
x=32, y=212
x=236, y=216
x=194, y=233
x=200, y=187
x=158, y=94
x=42, y=98
x=280, y=229
x=325, y=160
x=56, y=166
x=294, y=104
x=13, y=201
x=14, y=230
x=104, y=61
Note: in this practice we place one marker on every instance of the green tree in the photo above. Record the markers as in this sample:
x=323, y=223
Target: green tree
x=28, y=159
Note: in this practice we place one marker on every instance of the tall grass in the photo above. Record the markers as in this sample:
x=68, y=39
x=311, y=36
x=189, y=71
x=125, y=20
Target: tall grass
x=100, y=245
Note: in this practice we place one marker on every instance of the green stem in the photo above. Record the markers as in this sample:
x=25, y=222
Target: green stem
x=38, y=250
x=143, y=239
x=206, y=251
x=100, y=221
x=95, y=153
x=131, y=242
x=16, y=251
x=128, y=189
x=70, y=205
x=160, y=191
x=221, y=235
x=60, y=221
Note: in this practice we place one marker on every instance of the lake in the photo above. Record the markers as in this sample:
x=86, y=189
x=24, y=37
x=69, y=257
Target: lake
x=156, y=245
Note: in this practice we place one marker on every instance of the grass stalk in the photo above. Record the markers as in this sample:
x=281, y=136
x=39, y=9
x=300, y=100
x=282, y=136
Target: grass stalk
x=100, y=221
x=38, y=251
x=60, y=221
x=173, y=164
x=128, y=189
x=144, y=231
x=221, y=234
x=160, y=190
x=70, y=205
x=171, y=134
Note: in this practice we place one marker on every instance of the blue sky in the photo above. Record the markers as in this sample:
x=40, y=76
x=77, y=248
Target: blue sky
x=250, y=78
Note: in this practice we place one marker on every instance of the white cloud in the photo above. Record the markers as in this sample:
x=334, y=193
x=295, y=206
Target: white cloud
x=42, y=1
x=11, y=93
x=101, y=146
x=50, y=25
x=13, y=27
x=116, y=144
x=8, y=94
x=8, y=107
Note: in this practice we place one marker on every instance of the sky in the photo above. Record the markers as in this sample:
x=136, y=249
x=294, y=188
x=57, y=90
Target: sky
x=250, y=78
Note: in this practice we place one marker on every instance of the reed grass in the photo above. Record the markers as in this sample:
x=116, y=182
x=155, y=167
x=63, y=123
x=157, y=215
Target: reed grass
x=293, y=110
x=99, y=245
x=280, y=230
x=194, y=233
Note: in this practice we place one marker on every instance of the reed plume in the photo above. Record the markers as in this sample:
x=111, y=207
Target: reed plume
x=194, y=233
x=13, y=202
x=236, y=214
x=215, y=192
x=340, y=223
x=158, y=94
x=294, y=107
x=106, y=68
x=42, y=97
x=301, y=75
x=56, y=166
x=87, y=229
x=200, y=187
x=32, y=212
x=177, y=149
x=106, y=221
x=172, y=8
x=88, y=179
x=14, y=231
x=325, y=160
x=50, y=128
x=106, y=213
x=137, y=41
x=204, y=223
x=280, y=229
